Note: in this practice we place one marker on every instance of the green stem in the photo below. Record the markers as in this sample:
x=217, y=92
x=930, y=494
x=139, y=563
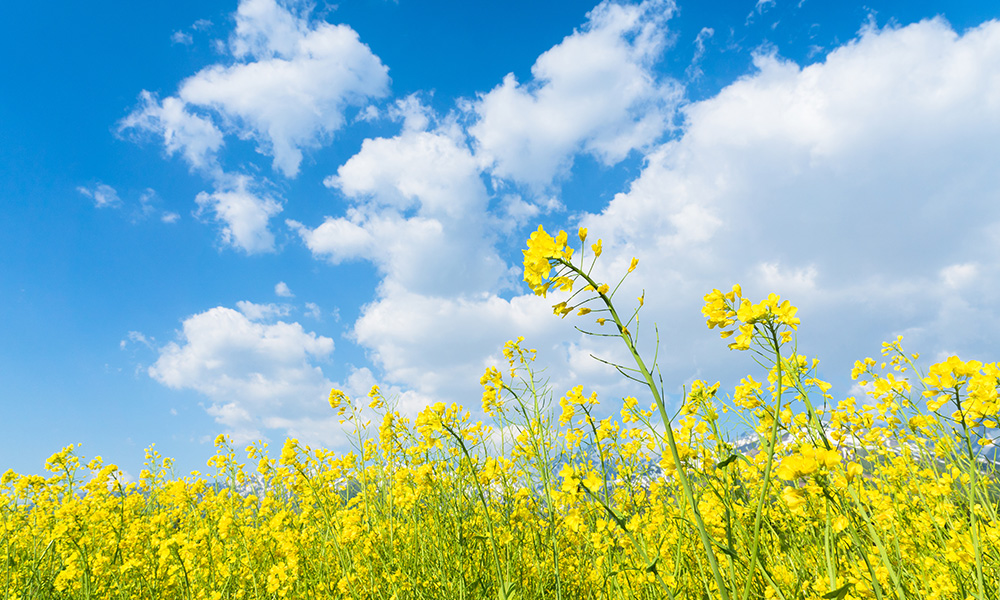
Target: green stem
x=971, y=494
x=681, y=475
x=501, y=580
x=773, y=439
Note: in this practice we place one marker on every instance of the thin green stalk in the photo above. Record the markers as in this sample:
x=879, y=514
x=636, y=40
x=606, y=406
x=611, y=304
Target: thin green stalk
x=765, y=487
x=681, y=474
x=501, y=579
x=541, y=451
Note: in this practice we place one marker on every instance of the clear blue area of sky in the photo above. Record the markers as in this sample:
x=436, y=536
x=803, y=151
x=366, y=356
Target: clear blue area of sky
x=75, y=280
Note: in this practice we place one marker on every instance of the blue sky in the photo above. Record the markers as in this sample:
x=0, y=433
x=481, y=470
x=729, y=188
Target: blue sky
x=215, y=211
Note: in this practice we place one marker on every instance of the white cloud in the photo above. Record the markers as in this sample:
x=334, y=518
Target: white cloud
x=243, y=213
x=313, y=311
x=415, y=115
x=181, y=37
x=863, y=187
x=147, y=200
x=419, y=214
x=263, y=312
x=265, y=28
x=694, y=69
x=254, y=373
x=288, y=88
x=438, y=347
x=281, y=289
x=763, y=5
x=595, y=92
x=186, y=38
x=337, y=239
x=148, y=208
x=136, y=337
x=104, y=196
x=369, y=114
x=517, y=211
x=773, y=276
x=957, y=276
x=293, y=93
x=196, y=137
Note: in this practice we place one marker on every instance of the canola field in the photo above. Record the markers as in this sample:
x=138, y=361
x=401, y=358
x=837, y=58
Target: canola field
x=892, y=495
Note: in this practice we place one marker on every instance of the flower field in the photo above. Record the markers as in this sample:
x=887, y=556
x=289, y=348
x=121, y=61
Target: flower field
x=885, y=496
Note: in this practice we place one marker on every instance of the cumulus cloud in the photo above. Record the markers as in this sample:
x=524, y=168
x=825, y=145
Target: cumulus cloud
x=103, y=195
x=419, y=213
x=298, y=80
x=595, y=92
x=256, y=374
x=195, y=136
x=437, y=347
x=287, y=86
x=288, y=89
x=243, y=212
x=281, y=289
x=862, y=186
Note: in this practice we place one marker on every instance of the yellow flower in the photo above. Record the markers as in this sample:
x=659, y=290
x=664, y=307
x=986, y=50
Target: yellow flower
x=596, y=248
x=839, y=523
x=573, y=520
x=592, y=481
x=794, y=467
x=742, y=341
x=542, y=249
x=794, y=499
x=635, y=263
x=717, y=310
x=337, y=398
x=571, y=483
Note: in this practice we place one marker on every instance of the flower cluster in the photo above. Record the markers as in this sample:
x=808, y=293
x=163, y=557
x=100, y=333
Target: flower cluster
x=948, y=379
x=542, y=250
x=729, y=309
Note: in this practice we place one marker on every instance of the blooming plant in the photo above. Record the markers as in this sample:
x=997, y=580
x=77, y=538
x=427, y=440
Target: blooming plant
x=888, y=496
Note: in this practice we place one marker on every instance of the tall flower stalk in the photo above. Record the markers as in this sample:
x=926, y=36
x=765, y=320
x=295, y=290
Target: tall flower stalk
x=545, y=253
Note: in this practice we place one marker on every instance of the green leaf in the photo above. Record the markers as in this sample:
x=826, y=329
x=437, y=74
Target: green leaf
x=839, y=593
x=508, y=591
x=652, y=566
x=727, y=462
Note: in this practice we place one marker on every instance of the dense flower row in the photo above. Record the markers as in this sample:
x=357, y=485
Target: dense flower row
x=881, y=497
